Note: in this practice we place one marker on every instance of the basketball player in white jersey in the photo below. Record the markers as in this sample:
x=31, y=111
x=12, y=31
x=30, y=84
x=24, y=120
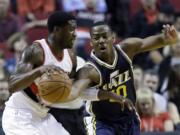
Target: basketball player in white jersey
x=24, y=114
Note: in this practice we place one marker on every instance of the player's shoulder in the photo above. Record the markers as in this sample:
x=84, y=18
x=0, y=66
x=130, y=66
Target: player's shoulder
x=33, y=54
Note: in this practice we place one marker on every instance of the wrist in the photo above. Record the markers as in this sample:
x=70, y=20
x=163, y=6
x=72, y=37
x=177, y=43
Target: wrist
x=38, y=72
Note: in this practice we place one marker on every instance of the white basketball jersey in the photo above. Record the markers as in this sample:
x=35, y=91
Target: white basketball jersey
x=65, y=64
x=22, y=101
x=50, y=59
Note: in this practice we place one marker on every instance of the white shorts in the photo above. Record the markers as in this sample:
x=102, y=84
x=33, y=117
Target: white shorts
x=24, y=122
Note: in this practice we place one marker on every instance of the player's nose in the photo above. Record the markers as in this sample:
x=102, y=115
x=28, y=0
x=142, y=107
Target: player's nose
x=101, y=40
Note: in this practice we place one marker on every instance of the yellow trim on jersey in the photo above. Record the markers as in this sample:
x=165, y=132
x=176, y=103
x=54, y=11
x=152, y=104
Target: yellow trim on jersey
x=104, y=63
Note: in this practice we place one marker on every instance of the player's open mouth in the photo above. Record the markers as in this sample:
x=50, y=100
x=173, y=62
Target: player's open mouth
x=102, y=48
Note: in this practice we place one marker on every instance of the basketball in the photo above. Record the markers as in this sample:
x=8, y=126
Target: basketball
x=54, y=87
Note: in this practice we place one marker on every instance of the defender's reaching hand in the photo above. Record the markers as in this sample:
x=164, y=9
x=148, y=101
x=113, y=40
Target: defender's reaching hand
x=125, y=102
x=170, y=34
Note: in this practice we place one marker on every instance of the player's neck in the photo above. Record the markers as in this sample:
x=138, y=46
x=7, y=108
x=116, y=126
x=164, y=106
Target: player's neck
x=111, y=57
x=55, y=47
x=108, y=58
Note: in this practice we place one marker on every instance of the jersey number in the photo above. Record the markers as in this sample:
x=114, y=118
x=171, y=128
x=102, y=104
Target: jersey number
x=121, y=90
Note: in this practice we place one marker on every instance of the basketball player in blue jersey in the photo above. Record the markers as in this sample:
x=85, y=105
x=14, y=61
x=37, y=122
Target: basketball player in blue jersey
x=110, y=69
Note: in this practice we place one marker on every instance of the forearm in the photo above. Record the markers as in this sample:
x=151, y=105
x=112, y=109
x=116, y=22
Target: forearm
x=77, y=87
x=157, y=41
x=90, y=94
x=94, y=94
x=18, y=82
x=104, y=95
x=153, y=42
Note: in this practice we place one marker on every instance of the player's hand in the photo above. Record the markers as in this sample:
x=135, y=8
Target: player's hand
x=49, y=68
x=125, y=102
x=170, y=34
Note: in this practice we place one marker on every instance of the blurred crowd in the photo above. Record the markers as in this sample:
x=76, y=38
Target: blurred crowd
x=156, y=73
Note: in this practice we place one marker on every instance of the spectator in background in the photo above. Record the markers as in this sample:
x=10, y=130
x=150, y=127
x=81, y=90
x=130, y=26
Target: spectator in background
x=4, y=95
x=72, y=5
x=151, y=81
x=118, y=13
x=145, y=23
x=94, y=11
x=33, y=14
x=151, y=121
x=3, y=73
x=138, y=76
x=169, y=62
x=174, y=85
x=9, y=23
x=33, y=10
x=16, y=43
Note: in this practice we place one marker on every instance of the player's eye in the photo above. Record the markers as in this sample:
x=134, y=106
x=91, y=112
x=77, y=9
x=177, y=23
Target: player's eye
x=96, y=38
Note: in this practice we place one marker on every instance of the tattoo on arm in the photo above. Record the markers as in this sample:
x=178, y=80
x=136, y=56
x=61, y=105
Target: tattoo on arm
x=32, y=57
x=24, y=75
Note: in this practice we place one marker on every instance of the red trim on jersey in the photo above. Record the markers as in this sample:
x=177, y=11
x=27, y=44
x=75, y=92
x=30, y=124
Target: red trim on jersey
x=60, y=56
x=34, y=88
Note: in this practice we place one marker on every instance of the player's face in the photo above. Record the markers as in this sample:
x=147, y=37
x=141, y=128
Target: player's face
x=66, y=35
x=102, y=39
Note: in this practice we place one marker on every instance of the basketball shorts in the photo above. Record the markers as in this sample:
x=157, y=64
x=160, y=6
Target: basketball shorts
x=24, y=122
x=98, y=127
x=71, y=119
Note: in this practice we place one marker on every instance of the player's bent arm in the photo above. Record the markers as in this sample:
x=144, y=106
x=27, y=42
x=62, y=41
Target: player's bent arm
x=84, y=79
x=25, y=73
x=91, y=77
x=133, y=46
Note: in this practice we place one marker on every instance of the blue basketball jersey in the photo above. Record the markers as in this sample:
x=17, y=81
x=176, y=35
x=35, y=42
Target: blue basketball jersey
x=117, y=78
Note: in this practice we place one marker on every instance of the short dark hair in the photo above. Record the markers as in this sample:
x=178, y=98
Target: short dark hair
x=58, y=18
x=97, y=23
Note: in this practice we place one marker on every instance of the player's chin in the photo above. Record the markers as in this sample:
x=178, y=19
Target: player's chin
x=69, y=46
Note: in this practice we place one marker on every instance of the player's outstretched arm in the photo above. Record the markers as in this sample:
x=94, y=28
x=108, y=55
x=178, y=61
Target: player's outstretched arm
x=132, y=46
x=28, y=68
